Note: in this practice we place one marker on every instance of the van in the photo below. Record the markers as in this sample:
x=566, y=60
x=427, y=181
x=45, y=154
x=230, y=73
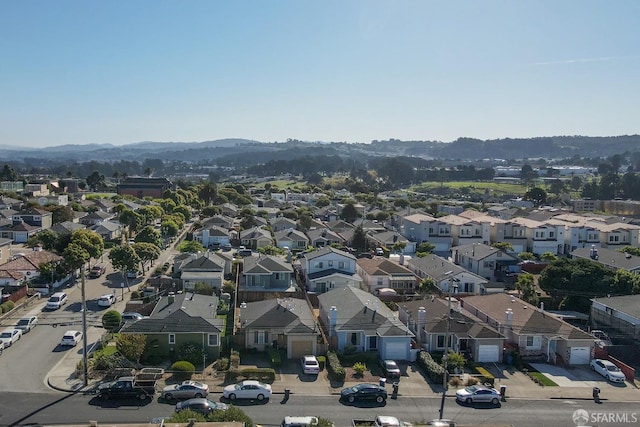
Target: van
x=56, y=301
x=299, y=422
x=244, y=252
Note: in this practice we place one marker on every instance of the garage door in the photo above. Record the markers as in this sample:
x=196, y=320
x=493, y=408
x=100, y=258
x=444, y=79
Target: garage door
x=580, y=356
x=396, y=350
x=488, y=353
x=300, y=348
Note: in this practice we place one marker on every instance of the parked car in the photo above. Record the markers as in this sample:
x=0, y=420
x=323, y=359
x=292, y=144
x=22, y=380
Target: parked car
x=56, y=301
x=390, y=369
x=10, y=336
x=364, y=391
x=478, y=393
x=107, y=300
x=131, y=316
x=133, y=274
x=185, y=390
x=310, y=365
x=200, y=405
x=248, y=389
x=27, y=323
x=96, y=271
x=608, y=370
x=71, y=338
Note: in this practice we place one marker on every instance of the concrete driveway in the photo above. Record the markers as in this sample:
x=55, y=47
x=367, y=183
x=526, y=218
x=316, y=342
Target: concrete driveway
x=571, y=377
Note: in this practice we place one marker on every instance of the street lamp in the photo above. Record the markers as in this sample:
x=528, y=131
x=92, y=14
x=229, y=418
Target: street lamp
x=445, y=377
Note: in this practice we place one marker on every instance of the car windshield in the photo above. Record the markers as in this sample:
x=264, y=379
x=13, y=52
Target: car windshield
x=613, y=368
x=54, y=299
x=391, y=365
x=471, y=389
x=23, y=322
x=5, y=335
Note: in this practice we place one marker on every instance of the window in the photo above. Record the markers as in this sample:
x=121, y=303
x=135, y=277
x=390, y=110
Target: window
x=172, y=338
x=277, y=276
x=373, y=342
x=213, y=340
x=534, y=342
x=354, y=338
x=551, y=234
x=341, y=265
x=440, y=341
x=260, y=337
x=330, y=264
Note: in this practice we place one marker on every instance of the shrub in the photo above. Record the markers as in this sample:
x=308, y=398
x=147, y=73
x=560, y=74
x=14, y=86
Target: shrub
x=335, y=367
x=486, y=375
x=222, y=364
x=359, y=368
x=472, y=381
x=274, y=357
x=233, y=413
x=433, y=370
x=7, y=306
x=267, y=375
x=322, y=361
x=190, y=352
x=135, y=295
x=455, y=381
x=234, y=359
x=111, y=320
x=350, y=349
x=183, y=370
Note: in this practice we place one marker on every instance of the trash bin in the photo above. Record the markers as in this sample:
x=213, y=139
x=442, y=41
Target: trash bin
x=287, y=392
x=383, y=382
x=503, y=392
x=396, y=386
x=596, y=394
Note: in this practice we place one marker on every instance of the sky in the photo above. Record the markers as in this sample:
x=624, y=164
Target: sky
x=125, y=71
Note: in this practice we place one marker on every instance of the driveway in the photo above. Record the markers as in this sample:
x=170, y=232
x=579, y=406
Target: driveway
x=570, y=377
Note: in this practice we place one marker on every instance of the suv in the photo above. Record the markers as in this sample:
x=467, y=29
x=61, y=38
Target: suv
x=96, y=271
x=56, y=301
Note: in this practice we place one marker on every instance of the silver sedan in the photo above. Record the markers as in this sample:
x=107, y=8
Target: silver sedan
x=185, y=390
x=478, y=393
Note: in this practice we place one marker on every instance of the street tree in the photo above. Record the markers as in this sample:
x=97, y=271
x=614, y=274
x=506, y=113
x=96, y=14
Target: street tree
x=147, y=252
x=131, y=346
x=503, y=246
x=132, y=220
x=150, y=213
x=75, y=256
x=169, y=228
x=183, y=210
x=190, y=246
x=526, y=288
x=90, y=241
x=349, y=213
x=124, y=258
x=149, y=235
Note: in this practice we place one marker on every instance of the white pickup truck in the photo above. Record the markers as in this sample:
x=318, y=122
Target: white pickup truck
x=380, y=421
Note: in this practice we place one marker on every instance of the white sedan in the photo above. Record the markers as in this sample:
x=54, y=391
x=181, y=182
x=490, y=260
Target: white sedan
x=9, y=336
x=27, y=323
x=310, y=365
x=248, y=389
x=608, y=370
x=71, y=338
x=107, y=300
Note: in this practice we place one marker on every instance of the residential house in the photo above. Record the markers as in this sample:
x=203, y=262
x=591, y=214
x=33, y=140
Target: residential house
x=178, y=320
x=97, y=217
x=419, y=227
x=532, y=331
x=321, y=237
x=465, y=231
x=542, y=237
x=267, y=273
x=221, y=221
x=36, y=189
x=108, y=230
x=24, y=266
x=603, y=231
x=378, y=273
x=433, y=318
x=207, y=268
x=17, y=230
x=142, y=187
x=281, y=323
x=212, y=236
x=387, y=239
x=329, y=268
x=327, y=214
x=59, y=200
x=67, y=227
x=449, y=277
x=355, y=319
x=613, y=260
x=230, y=209
x=484, y=260
x=282, y=223
x=291, y=238
x=255, y=238
x=36, y=217
x=621, y=314
x=11, y=203
x=106, y=205
x=5, y=250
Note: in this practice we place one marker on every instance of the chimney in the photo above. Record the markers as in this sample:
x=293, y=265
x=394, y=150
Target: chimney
x=422, y=320
x=333, y=320
x=541, y=305
x=508, y=318
x=171, y=298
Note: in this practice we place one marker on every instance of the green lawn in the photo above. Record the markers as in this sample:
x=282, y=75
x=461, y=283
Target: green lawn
x=542, y=379
x=497, y=187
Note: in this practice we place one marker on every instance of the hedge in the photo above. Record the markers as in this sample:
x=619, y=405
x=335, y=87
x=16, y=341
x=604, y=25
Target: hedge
x=7, y=306
x=334, y=367
x=274, y=357
x=431, y=369
x=183, y=369
x=486, y=376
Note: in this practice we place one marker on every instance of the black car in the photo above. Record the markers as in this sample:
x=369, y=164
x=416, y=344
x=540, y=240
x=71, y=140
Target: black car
x=200, y=405
x=390, y=369
x=364, y=391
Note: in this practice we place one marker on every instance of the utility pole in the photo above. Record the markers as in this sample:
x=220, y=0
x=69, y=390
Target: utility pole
x=85, y=367
x=445, y=376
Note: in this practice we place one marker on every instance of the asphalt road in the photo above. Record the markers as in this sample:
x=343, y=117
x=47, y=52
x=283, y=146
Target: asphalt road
x=55, y=408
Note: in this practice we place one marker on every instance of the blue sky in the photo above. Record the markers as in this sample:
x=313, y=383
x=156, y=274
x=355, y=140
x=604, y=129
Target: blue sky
x=78, y=72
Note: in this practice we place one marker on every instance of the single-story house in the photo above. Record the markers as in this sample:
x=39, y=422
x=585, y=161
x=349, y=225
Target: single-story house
x=620, y=313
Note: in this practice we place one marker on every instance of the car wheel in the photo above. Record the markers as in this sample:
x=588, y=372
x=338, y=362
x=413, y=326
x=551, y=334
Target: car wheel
x=495, y=401
x=468, y=401
x=105, y=396
x=351, y=399
x=592, y=368
x=198, y=395
x=608, y=378
x=232, y=396
x=260, y=397
x=141, y=396
x=379, y=399
x=168, y=396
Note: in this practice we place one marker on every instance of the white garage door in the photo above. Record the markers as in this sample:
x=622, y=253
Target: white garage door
x=488, y=353
x=396, y=350
x=580, y=356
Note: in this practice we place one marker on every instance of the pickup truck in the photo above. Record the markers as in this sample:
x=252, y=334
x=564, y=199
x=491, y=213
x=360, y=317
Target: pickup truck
x=126, y=388
x=379, y=421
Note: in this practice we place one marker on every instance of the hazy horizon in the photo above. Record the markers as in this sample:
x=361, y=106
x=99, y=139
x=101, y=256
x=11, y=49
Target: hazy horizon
x=120, y=73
